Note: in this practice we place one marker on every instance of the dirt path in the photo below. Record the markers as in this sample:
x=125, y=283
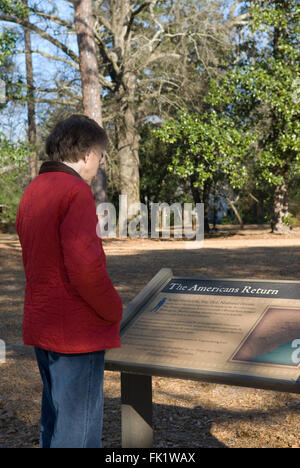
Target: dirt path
x=185, y=413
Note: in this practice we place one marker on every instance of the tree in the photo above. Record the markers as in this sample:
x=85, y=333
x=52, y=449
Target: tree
x=158, y=184
x=33, y=160
x=206, y=148
x=13, y=165
x=153, y=57
x=261, y=91
x=49, y=28
x=7, y=44
x=150, y=53
x=8, y=40
x=91, y=90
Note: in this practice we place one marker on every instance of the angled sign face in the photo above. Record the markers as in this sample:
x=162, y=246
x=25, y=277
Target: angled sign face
x=230, y=331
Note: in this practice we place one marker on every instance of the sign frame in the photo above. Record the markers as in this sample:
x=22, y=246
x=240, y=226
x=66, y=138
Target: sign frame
x=136, y=378
x=140, y=303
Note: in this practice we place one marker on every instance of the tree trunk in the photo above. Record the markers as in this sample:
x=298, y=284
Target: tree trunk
x=280, y=209
x=128, y=139
x=201, y=197
x=280, y=201
x=205, y=198
x=91, y=89
x=33, y=160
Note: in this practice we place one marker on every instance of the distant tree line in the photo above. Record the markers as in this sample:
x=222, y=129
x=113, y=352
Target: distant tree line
x=199, y=98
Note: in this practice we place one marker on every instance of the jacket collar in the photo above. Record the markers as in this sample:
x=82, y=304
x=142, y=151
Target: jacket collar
x=58, y=166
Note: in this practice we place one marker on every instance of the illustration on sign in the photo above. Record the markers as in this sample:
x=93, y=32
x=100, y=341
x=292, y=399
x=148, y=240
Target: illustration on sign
x=274, y=340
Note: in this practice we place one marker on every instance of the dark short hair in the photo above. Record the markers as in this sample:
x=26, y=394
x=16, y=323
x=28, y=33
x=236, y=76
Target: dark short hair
x=73, y=138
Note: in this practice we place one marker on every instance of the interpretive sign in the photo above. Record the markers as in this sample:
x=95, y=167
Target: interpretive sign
x=231, y=331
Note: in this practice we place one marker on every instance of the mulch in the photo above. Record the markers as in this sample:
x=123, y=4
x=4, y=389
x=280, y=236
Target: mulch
x=185, y=413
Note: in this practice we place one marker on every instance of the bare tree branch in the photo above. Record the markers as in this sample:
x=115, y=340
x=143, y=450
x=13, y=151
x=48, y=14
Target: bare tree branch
x=159, y=56
x=253, y=197
x=56, y=19
x=51, y=57
x=106, y=83
x=239, y=20
x=104, y=22
x=108, y=54
x=57, y=101
x=134, y=14
x=42, y=33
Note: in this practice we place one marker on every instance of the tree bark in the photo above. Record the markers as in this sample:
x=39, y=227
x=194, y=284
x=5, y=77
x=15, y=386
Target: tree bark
x=33, y=159
x=91, y=89
x=280, y=209
x=128, y=145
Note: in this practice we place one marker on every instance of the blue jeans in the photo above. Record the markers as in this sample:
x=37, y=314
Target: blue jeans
x=72, y=399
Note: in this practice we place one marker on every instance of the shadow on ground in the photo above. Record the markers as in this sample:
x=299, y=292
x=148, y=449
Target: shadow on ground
x=174, y=425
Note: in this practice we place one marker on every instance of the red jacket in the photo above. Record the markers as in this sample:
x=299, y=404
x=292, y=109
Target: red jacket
x=71, y=305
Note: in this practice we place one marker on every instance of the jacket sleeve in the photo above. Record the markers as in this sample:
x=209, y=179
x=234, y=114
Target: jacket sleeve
x=84, y=257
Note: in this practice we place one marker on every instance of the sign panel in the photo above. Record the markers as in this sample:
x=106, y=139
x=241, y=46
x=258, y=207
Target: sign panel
x=240, y=332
